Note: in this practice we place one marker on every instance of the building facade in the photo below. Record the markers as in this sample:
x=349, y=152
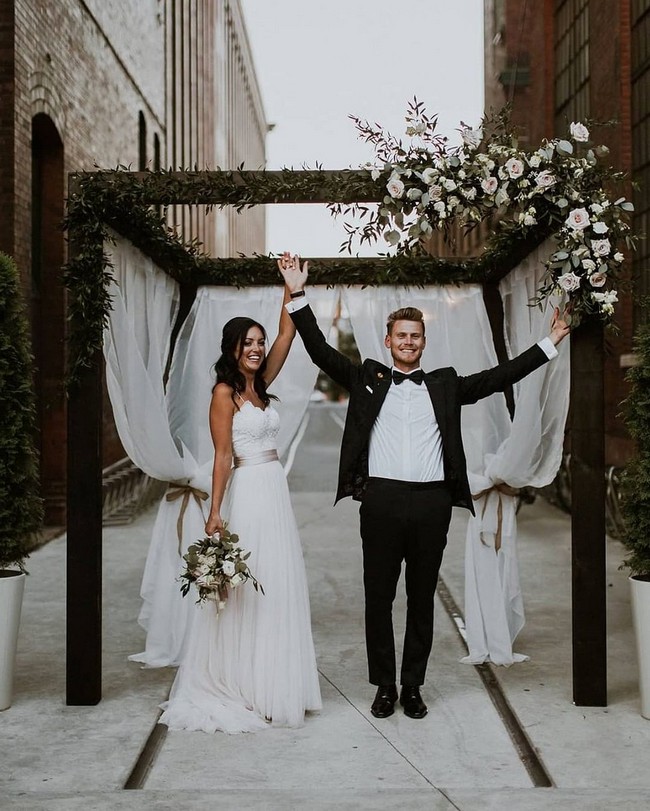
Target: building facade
x=138, y=83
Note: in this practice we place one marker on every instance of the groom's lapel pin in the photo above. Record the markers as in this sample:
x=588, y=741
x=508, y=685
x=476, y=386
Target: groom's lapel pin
x=369, y=389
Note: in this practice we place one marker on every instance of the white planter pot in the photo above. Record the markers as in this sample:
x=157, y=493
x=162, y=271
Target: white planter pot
x=12, y=585
x=641, y=616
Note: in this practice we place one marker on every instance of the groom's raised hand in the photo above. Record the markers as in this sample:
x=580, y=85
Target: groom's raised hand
x=295, y=276
x=559, y=327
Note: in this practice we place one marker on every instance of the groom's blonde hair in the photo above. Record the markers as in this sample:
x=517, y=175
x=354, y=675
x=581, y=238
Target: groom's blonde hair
x=404, y=314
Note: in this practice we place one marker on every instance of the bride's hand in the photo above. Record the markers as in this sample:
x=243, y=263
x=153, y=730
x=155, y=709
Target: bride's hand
x=213, y=524
x=295, y=276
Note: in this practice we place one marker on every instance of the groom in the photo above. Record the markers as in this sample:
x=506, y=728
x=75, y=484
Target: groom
x=402, y=456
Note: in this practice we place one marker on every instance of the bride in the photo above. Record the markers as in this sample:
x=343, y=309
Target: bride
x=253, y=666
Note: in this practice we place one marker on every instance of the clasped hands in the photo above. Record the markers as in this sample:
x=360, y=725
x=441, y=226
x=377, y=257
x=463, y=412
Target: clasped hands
x=294, y=275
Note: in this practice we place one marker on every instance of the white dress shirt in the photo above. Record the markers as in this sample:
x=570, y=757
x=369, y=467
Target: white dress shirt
x=405, y=441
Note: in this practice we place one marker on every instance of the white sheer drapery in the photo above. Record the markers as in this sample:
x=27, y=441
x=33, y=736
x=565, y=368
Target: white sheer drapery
x=527, y=453
x=166, y=433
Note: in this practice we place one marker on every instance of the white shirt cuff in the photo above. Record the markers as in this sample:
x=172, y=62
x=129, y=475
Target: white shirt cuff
x=297, y=304
x=548, y=348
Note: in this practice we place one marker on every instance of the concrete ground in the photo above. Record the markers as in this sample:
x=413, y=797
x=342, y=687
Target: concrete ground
x=461, y=756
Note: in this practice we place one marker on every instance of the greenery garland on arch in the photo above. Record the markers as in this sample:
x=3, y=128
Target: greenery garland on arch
x=425, y=185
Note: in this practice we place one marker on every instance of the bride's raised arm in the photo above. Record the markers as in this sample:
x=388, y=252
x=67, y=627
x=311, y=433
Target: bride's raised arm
x=286, y=330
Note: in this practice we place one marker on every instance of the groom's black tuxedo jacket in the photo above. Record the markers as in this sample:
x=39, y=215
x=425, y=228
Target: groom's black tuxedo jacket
x=368, y=385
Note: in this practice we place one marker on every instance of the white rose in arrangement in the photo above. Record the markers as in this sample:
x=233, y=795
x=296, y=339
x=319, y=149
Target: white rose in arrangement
x=534, y=161
x=228, y=568
x=395, y=187
x=569, y=281
x=578, y=219
x=413, y=194
x=600, y=227
x=596, y=208
x=439, y=207
x=545, y=179
x=490, y=185
x=514, y=168
x=601, y=247
x=435, y=192
x=618, y=256
x=449, y=184
x=429, y=176
x=589, y=265
x=579, y=132
x=529, y=219
x=597, y=279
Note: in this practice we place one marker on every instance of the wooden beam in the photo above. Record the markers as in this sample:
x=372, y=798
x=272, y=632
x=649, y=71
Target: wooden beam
x=84, y=536
x=588, y=540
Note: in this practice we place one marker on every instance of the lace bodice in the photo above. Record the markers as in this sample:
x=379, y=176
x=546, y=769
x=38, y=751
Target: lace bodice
x=254, y=430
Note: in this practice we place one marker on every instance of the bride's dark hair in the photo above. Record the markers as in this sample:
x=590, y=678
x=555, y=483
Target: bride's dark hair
x=227, y=366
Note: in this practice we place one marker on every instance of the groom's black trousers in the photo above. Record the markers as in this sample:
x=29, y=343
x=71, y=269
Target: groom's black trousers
x=402, y=521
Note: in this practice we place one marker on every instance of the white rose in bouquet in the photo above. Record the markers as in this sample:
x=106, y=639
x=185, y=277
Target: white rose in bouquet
x=228, y=568
x=490, y=185
x=601, y=247
x=597, y=279
x=514, y=168
x=578, y=131
x=395, y=187
x=569, y=281
x=578, y=219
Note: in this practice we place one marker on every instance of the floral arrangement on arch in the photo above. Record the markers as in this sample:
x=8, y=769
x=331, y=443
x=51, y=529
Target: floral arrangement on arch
x=561, y=185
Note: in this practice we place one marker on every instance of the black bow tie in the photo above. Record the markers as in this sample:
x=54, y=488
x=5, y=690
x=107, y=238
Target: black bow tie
x=416, y=377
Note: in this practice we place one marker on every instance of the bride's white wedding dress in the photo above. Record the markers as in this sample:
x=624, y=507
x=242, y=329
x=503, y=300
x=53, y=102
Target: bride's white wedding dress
x=253, y=665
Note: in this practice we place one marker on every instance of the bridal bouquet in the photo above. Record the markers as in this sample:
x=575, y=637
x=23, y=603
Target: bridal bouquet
x=215, y=565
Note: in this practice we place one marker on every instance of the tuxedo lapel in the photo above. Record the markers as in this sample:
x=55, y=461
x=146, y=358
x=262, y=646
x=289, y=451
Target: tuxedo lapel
x=380, y=384
x=438, y=400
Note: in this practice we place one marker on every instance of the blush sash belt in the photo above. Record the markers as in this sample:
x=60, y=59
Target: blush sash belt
x=256, y=459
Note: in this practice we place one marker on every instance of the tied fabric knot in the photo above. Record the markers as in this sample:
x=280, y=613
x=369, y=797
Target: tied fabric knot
x=415, y=377
x=501, y=489
x=184, y=491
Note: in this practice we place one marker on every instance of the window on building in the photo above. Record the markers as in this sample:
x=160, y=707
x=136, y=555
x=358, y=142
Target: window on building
x=571, y=62
x=142, y=142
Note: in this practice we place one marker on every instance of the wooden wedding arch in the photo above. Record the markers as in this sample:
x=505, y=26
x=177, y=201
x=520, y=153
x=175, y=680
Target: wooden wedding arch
x=129, y=204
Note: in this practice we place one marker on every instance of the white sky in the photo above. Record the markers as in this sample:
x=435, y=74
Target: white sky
x=318, y=61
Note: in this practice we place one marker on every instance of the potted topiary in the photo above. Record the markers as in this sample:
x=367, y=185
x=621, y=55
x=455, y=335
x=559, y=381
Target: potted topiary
x=20, y=505
x=635, y=503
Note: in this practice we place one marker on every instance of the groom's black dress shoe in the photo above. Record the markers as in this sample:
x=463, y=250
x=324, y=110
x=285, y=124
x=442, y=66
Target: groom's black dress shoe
x=384, y=703
x=411, y=700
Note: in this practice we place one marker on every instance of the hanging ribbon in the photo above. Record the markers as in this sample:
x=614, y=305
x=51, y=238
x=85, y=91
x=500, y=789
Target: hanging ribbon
x=184, y=491
x=501, y=489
